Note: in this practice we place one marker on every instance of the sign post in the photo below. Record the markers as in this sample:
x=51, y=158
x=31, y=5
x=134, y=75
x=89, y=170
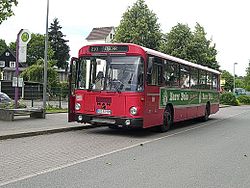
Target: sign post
x=23, y=37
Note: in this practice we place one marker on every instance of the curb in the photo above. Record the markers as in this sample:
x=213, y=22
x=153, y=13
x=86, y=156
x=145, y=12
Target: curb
x=224, y=106
x=43, y=132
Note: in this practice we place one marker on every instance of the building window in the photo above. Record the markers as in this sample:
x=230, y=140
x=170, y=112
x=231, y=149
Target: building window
x=111, y=36
x=12, y=64
x=2, y=64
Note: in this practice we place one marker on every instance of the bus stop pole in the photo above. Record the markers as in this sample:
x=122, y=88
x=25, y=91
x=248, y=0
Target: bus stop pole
x=17, y=69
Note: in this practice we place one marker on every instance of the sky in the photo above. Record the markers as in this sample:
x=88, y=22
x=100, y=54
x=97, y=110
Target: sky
x=225, y=21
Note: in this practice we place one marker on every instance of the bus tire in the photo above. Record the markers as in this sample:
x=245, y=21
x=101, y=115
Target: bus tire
x=207, y=113
x=167, y=120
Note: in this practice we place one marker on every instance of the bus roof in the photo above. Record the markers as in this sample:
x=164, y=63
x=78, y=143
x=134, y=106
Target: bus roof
x=160, y=54
x=178, y=60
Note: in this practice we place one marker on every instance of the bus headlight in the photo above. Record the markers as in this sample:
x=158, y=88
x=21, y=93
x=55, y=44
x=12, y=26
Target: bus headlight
x=133, y=111
x=77, y=106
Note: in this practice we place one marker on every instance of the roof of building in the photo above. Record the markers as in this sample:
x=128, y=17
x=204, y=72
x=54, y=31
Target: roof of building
x=11, y=55
x=99, y=33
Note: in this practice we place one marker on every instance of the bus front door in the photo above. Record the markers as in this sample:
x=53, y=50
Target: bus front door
x=72, y=85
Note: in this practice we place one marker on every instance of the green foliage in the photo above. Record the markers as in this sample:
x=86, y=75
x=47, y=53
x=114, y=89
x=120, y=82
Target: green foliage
x=12, y=46
x=58, y=44
x=229, y=79
x=244, y=99
x=3, y=46
x=177, y=41
x=20, y=104
x=36, y=48
x=229, y=99
x=34, y=73
x=239, y=83
x=55, y=109
x=192, y=46
x=6, y=9
x=247, y=79
x=139, y=25
x=61, y=90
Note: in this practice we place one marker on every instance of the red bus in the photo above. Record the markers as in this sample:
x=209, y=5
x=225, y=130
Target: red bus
x=127, y=85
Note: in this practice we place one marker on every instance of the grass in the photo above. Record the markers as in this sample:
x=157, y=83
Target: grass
x=56, y=110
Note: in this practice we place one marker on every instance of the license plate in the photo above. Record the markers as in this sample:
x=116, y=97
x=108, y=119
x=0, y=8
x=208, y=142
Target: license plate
x=103, y=111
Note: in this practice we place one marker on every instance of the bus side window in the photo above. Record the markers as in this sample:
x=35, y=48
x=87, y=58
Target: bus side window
x=194, y=77
x=171, y=74
x=184, y=76
x=209, y=80
x=215, y=82
x=202, y=79
x=154, y=71
x=154, y=75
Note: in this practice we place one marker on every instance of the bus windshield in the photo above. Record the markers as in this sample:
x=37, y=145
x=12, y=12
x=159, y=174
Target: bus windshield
x=109, y=73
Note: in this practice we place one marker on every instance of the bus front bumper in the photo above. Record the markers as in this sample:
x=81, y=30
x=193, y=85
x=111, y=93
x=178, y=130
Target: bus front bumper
x=111, y=121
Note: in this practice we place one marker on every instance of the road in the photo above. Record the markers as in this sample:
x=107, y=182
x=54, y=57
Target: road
x=194, y=154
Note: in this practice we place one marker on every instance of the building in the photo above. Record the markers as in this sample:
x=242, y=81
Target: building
x=8, y=65
x=101, y=35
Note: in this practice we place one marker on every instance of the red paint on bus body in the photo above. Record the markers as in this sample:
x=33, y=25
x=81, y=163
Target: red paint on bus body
x=119, y=104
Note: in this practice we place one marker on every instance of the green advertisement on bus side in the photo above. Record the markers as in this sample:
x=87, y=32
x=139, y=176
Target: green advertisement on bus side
x=186, y=97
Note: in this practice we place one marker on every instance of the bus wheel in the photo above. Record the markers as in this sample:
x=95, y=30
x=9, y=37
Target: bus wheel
x=167, y=120
x=206, y=115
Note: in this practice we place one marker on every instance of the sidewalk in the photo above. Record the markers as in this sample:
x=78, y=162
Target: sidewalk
x=25, y=126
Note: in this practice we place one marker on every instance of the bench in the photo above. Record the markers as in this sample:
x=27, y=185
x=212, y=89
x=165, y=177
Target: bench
x=9, y=114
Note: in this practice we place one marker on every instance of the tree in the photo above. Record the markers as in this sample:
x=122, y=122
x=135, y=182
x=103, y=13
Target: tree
x=139, y=25
x=12, y=46
x=35, y=49
x=247, y=78
x=34, y=73
x=239, y=83
x=177, y=41
x=58, y=44
x=3, y=46
x=191, y=46
x=6, y=9
x=229, y=80
x=203, y=50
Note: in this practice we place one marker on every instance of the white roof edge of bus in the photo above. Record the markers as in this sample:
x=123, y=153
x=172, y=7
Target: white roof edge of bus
x=169, y=57
x=166, y=56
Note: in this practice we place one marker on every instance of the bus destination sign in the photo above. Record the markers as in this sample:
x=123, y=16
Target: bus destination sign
x=117, y=48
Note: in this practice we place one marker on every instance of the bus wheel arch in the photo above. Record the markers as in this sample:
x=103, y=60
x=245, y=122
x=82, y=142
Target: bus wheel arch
x=208, y=106
x=168, y=118
x=207, y=111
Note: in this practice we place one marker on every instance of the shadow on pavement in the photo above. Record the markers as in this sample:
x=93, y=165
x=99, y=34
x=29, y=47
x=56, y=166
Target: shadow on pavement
x=141, y=133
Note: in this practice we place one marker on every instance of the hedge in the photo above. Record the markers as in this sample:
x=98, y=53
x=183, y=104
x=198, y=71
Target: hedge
x=244, y=99
x=229, y=99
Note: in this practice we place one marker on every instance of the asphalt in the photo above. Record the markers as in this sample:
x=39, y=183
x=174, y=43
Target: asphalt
x=25, y=126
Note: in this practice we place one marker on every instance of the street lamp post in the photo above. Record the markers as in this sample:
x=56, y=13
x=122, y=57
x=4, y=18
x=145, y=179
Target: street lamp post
x=234, y=77
x=45, y=62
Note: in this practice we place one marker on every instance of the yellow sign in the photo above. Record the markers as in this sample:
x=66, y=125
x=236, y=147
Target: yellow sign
x=222, y=82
